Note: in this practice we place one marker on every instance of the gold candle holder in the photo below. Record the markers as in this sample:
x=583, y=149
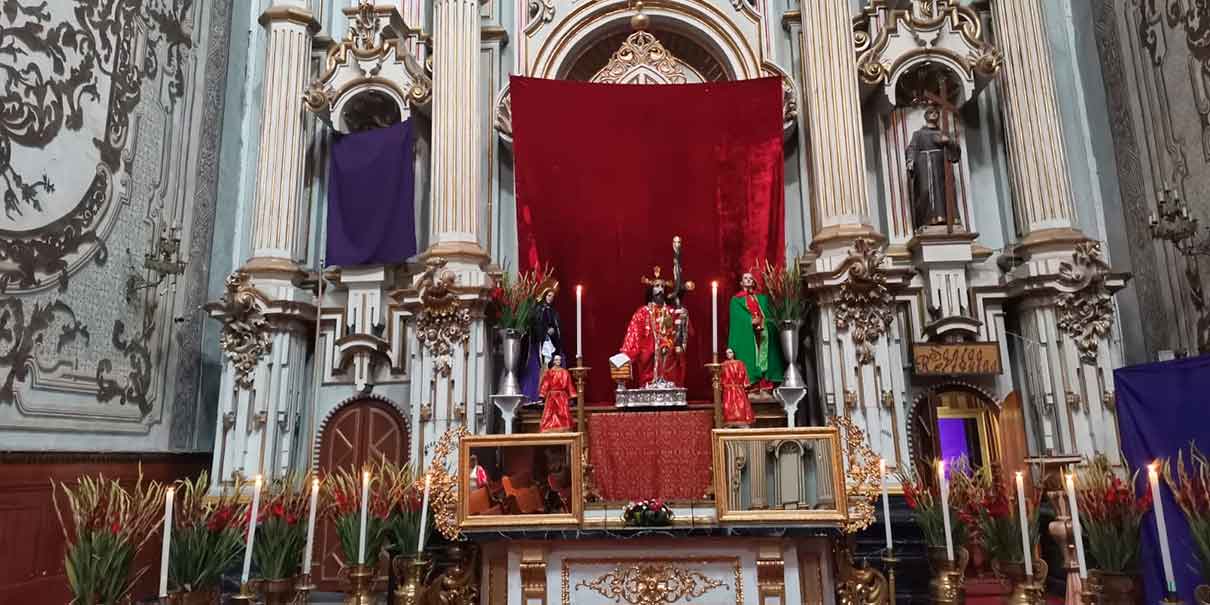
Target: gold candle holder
x=1026, y=590
x=888, y=566
x=948, y=584
x=1172, y=599
x=304, y=588
x=579, y=374
x=246, y=593
x=1087, y=595
x=716, y=386
x=361, y=586
x=412, y=572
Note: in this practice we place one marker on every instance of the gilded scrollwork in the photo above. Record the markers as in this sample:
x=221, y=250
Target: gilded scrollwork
x=443, y=322
x=246, y=336
x=652, y=584
x=858, y=585
x=444, y=484
x=864, y=306
x=642, y=59
x=1085, y=306
x=861, y=474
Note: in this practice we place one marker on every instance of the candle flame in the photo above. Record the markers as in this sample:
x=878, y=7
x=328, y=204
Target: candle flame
x=714, y=285
x=315, y=483
x=1152, y=468
x=1020, y=475
x=579, y=289
x=171, y=491
x=258, y=481
x=882, y=465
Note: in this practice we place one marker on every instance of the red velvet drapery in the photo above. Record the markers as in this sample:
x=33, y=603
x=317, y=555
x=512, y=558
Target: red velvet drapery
x=606, y=175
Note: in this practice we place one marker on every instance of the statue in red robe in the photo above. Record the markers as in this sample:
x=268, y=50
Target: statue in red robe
x=556, y=390
x=737, y=410
x=650, y=337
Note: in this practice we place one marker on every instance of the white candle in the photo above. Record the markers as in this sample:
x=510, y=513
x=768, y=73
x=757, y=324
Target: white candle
x=714, y=321
x=1161, y=526
x=1027, y=553
x=165, y=548
x=579, y=322
x=306, y=562
x=365, y=503
x=424, y=513
x=945, y=510
x=251, y=530
x=886, y=503
x=1077, y=533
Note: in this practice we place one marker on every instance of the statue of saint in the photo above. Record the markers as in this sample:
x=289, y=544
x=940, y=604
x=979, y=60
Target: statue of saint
x=545, y=339
x=929, y=152
x=737, y=410
x=678, y=361
x=651, y=334
x=556, y=390
x=753, y=337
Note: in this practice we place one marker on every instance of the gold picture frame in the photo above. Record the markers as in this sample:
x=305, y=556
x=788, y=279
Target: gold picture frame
x=473, y=445
x=835, y=516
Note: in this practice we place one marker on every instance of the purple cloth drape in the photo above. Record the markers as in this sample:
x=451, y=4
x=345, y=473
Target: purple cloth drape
x=371, y=220
x=1162, y=407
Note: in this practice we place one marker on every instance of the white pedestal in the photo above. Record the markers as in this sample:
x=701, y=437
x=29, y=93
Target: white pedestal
x=508, y=405
x=790, y=397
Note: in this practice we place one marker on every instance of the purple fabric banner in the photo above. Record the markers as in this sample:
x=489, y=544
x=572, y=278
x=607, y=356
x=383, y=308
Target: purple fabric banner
x=1162, y=408
x=371, y=216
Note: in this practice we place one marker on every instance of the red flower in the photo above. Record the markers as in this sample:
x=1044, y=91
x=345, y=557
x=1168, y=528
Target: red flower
x=278, y=510
x=657, y=504
x=909, y=494
x=291, y=519
x=1144, y=503
x=115, y=528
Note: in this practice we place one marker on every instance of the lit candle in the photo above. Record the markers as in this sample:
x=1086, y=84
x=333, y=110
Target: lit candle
x=945, y=510
x=365, y=503
x=714, y=321
x=165, y=548
x=1027, y=553
x=1077, y=533
x=251, y=530
x=424, y=513
x=579, y=322
x=306, y=562
x=1161, y=526
x=886, y=503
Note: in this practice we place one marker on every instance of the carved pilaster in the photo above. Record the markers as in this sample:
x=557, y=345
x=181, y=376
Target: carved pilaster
x=533, y=576
x=770, y=574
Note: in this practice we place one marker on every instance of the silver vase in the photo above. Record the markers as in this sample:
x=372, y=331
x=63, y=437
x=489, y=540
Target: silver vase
x=509, y=384
x=788, y=332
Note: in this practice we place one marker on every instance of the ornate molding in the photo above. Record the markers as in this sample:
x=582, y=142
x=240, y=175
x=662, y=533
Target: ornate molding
x=860, y=473
x=443, y=321
x=858, y=585
x=540, y=12
x=652, y=584
x=1085, y=307
x=642, y=59
x=246, y=336
x=864, y=305
x=21, y=336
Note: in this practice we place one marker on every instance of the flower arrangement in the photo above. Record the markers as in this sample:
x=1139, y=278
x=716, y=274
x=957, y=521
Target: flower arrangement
x=207, y=535
x=925, y=503
x=342, y=496
x=280, y=530
x=999, y=522
x=406, y=492
x=787, y=301
x=108, y=526
x=515, y=298
x=1111, y=514
x=1190, y=485
x=647, y=513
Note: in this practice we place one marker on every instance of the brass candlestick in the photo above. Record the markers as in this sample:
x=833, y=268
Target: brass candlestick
x=580, y=375
x=1172, y=598
x=246, y=593
x=888, y=566
x=1087, y=596
x=716, y=384
x=361, y=585
x=304, y=588
x=412, y=572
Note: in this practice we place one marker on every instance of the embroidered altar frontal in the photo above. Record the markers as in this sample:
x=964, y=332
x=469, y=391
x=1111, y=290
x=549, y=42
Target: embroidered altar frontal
x=637, y=455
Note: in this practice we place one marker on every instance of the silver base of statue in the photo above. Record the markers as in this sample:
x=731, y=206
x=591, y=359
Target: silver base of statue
x=657, y=393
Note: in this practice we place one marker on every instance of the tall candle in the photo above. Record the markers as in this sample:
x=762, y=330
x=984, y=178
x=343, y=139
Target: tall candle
x=579, y=322
x=1077, y=533
x=886, y=503
x=1027, y=553
x=251, y=530
x=945, y=510
x=1161, y=526
x=714, y=317
x=424, y=513
x=365, y=503
x=306, y=562
x=165, y=548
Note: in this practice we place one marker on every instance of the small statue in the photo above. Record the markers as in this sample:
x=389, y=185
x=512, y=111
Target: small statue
x=650, y=334
x=545, y=339
x=737, y=410
x=556, y=390
x=753, y=336
x=929, y=152
x=678, y=361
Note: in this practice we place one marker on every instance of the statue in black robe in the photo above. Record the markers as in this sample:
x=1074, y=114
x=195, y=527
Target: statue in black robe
x=545, y=341
x=927, y=155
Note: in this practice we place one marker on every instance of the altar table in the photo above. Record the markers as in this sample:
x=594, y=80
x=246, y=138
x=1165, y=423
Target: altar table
x=638, y=455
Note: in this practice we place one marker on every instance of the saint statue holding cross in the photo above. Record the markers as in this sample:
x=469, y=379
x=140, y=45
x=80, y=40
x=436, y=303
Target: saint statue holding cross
x=657, y=333
x=928, y=155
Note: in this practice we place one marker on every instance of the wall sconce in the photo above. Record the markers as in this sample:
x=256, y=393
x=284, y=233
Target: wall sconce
x=163, y=261
x=1173, y=224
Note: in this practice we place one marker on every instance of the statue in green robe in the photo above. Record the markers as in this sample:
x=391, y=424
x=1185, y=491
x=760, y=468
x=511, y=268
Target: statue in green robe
x=753, y=337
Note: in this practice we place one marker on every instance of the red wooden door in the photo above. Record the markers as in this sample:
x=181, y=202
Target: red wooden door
x=361, y=432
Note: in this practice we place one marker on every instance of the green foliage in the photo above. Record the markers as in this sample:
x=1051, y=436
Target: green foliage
x=199, y=556
x=278, y=548
x=348, y=527
x=787, y=299
x=98, y=568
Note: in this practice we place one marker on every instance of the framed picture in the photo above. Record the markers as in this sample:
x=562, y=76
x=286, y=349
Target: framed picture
x=778, y=475
x=522, y=479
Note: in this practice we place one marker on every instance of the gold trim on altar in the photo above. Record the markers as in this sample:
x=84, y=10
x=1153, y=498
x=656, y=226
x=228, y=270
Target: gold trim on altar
x=779, y=475
x=653, y=581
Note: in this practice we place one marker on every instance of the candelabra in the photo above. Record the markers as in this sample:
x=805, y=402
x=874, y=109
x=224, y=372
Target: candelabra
x=303, y=589
x=164, y=260
x=1171, y=222
x=888, y=564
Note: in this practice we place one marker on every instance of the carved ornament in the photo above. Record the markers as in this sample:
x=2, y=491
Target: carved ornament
x=860, y=473
x=858, y=585
x=864, y=306
x=642, y=59
x=443, y=322
x=246, y=336
x=1085, y=307
x=652, y=584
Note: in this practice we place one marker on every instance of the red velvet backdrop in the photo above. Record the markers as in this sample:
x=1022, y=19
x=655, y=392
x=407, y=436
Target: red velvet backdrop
x=607, y=174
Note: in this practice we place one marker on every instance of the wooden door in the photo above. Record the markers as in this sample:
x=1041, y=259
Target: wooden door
x=361, y=432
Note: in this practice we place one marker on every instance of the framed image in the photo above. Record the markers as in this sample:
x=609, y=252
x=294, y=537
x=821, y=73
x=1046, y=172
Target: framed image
x=778, y=475
x=523, y=479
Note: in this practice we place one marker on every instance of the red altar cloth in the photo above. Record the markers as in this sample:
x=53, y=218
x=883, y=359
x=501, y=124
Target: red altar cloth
x=639, y=455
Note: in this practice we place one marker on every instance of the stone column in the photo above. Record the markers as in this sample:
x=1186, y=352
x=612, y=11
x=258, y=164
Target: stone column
x=841, y=205
x=457, y=140
x=1037, y=160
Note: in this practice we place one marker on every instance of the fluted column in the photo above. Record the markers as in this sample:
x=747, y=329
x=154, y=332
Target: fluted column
x=280, y=219
x=841, y=203
x=456, y=128
x=1037, y=161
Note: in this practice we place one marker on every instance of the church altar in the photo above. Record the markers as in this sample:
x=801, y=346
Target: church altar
x=660, y=454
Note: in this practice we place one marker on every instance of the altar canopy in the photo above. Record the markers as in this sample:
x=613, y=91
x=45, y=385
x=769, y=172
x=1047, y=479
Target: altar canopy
x=607, y=174
x=371, y=216
x=1162, y=408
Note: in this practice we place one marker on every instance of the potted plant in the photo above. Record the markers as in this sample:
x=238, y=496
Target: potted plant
x=280, y=533
x=108, y=526
x=513, y=300
x=648, y=513
x=999, y=522
x=1190, y=485
x=342, y=505
x=947, y=584
x=405, y=489
x=207, y=538
x=1111, y=514
x=787, y=309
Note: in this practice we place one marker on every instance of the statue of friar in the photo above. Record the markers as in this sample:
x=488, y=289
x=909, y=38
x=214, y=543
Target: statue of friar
x=927, y=155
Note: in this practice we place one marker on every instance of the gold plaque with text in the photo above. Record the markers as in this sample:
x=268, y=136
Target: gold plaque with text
x=956, y=359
